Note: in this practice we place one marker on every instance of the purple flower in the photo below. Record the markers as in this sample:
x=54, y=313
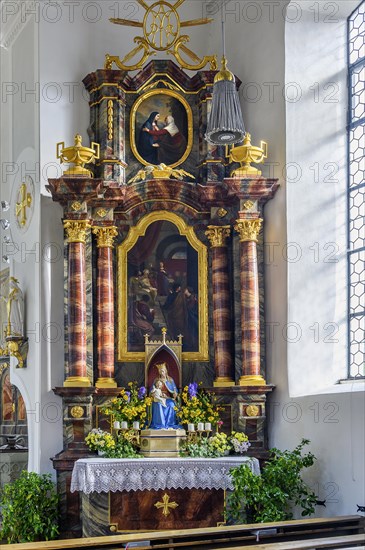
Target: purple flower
x=128, y=393
x=193, y=389
x=142, y=392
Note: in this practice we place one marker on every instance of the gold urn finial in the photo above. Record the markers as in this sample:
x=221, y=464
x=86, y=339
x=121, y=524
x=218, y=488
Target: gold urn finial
x=78, y=156
x=246, y=154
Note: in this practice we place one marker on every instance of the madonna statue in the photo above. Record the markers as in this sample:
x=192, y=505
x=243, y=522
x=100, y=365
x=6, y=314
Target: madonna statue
x=164, y=393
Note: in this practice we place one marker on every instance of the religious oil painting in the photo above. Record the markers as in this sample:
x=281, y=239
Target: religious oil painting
x=162, y=282
x=161, y=128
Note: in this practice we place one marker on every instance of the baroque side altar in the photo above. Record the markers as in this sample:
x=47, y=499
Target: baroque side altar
x=159, y=235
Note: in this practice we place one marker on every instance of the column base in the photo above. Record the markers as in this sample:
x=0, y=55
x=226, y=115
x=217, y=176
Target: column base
x=106, y=383
x=252, y=380
x=77, y=382
x=223, y=382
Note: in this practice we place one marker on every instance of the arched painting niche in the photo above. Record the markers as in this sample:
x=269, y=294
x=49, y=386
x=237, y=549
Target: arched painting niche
x=162, y=272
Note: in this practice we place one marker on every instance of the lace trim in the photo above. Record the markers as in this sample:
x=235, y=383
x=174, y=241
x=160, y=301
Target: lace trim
x=104, y=475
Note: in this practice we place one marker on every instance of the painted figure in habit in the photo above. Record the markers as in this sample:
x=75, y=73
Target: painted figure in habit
x=192, y=317
x=164, y=392
x=163, y=282
x=172, y=143
x=175, y=311
x=147, y=146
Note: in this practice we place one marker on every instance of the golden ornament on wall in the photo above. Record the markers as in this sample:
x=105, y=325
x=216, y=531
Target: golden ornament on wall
x=252, y=410
x=161, y=28
x=77, y=412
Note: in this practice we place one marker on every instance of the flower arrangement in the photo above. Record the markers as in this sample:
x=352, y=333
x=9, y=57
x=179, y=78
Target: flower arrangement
x=130, y=406
x=99, y=440
x=110, y=446
x=197, y=406
x=239, y=442
x=220, y=443
x=214, y=446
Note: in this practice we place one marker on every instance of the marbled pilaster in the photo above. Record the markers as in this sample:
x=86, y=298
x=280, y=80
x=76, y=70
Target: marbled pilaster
x=77, y=322
x=105, y=306
x=248, y=230
x=217, y=236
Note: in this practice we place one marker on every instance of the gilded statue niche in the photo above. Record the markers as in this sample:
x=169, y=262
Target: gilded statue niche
x=162, y=282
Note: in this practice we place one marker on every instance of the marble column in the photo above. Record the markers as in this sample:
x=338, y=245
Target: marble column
x=76, y=304
x=105, y=306
x=248, y=230
x=217, y=236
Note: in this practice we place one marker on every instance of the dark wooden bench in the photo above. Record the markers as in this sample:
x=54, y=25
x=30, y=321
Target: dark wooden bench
x=337, y=532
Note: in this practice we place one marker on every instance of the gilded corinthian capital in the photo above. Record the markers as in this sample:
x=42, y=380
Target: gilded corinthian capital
x=76, y=230
x=105, y=235
x=248, y=229
x=217, y=234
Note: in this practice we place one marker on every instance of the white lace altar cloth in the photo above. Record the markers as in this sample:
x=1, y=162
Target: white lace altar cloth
x=125, y=474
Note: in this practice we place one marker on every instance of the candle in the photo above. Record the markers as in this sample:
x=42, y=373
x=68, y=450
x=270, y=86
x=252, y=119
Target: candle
x=208, y=427
x=116, y=425
x=124, y=425
x=191, y=428
x=135, y=425
x=200, y=427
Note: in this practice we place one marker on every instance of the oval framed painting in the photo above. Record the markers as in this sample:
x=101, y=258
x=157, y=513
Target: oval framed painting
x=161, y=128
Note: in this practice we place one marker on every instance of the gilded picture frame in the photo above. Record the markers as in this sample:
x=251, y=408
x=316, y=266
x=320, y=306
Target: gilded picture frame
x=131, y=332
x=175, y=146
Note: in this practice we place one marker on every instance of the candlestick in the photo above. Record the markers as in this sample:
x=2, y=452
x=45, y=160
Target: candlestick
x=135, y=425
x=124, y=425
x=191, y=428
x=116, y=425
x=208, y=427
x=200, y=427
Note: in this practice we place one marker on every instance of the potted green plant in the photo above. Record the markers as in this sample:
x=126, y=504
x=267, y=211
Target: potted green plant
x=29, y=509
x=272, y=495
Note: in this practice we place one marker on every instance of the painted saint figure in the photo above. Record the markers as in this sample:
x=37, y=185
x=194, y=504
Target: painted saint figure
x=163, y=282
x=171, y=142
x=15, y=310
x=164, y=392
x=147, y=146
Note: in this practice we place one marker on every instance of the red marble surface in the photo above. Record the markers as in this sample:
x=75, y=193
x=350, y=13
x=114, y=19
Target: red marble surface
x=221, y=313
x=250, y=312
x=105, y=313
x=77, y=310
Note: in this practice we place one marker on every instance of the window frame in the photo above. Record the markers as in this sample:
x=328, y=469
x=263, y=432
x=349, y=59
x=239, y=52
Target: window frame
x=352, y=123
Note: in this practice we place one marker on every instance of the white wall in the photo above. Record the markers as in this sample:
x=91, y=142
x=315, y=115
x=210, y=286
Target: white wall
x=278, y=55
x=19, y=161
x=316, y=217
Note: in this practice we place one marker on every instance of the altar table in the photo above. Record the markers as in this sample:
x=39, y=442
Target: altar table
x=126, y=495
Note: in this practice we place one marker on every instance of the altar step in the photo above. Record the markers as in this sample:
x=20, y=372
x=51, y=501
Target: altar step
x=319, y=533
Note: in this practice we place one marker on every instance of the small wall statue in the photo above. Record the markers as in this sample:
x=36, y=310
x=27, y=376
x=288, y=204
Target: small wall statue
x=16, y=342
x=15, y=310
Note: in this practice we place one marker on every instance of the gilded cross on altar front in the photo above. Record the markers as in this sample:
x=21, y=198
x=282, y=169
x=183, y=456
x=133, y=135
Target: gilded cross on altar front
x=166, y=505
x=25, y=201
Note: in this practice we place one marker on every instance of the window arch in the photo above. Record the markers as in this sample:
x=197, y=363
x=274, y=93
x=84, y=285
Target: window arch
x=356, y=192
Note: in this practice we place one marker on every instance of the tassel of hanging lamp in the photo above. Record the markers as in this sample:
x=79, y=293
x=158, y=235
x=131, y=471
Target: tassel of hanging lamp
x=225, y=125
